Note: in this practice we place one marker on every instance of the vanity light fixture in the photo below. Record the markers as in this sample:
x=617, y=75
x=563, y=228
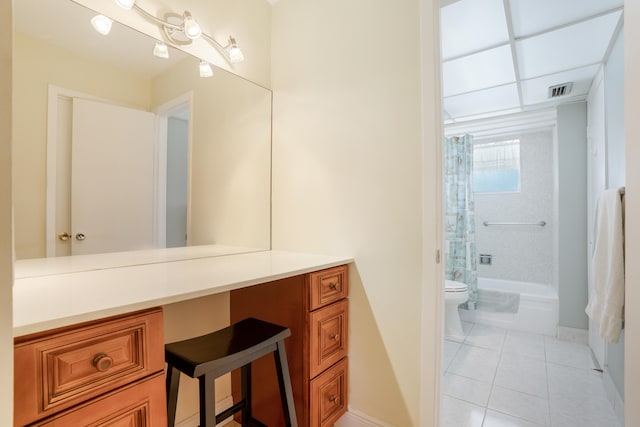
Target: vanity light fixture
x=102, y=24
x=160, y=50
x=205, y=69
x=181, y=30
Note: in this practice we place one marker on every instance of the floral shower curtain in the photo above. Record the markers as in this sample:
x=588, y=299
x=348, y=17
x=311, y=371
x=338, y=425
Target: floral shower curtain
x=460, y=230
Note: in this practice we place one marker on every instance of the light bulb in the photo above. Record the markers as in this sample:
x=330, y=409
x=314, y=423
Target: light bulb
x=205, y=69
x=235, y=54
x=125, y=4
x=191, y=28
x=161, y=50
x=102, y=24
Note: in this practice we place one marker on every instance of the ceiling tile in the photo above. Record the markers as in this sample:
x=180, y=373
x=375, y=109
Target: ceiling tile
x=570, y=47
x=536, y=90
x=487, y=100
x=480, y=71
x=468, y=26
x=531, y=17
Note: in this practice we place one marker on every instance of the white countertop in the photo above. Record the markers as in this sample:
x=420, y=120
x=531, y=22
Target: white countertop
x=46, y=295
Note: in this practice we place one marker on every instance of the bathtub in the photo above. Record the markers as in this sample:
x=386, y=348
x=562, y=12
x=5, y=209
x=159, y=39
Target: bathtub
x=537, y=312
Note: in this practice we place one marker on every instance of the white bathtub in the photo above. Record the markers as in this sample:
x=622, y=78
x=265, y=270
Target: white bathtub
x=537, y=312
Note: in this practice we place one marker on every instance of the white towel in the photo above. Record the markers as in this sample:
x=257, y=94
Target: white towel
x=606, y=302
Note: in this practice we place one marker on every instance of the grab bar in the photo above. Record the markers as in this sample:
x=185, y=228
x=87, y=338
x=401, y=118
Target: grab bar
x=539, y=223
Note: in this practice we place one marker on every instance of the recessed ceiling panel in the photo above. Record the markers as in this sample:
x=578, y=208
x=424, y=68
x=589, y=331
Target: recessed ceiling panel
x=480, y=71
x=494, y=99
x=533, y=16
x=468, y=26
x=570, y=47
x=536, y=90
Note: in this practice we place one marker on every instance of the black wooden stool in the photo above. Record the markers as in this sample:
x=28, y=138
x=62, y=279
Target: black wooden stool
x=210, y=356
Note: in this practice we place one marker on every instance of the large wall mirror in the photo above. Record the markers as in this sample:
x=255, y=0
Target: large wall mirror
x=116, y=149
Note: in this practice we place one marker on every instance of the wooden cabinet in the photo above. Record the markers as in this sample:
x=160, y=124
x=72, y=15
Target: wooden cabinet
x=103, y=373
x=315, y=307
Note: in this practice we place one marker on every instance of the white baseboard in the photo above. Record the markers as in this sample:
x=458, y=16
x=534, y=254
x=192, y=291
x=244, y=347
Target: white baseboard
x=580, y=336
x=354, y=418
x=221, y=405
x=613, y=395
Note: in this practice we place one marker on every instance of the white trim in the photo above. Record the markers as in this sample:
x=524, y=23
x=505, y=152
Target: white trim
x=432, y=278
x=160, y=167
x=507, y=124
x=221, y=405
x=354, y=418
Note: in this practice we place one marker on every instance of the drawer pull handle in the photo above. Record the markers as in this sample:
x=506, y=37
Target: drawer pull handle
x=334, y=399
x=102, y=362
x=333, y=286
x=334, y=337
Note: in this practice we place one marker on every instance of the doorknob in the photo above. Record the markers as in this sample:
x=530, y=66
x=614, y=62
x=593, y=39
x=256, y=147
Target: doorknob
x=64, y=236
x=80, y=236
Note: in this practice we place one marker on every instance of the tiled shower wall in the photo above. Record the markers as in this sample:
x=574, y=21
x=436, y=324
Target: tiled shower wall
x=521, y=253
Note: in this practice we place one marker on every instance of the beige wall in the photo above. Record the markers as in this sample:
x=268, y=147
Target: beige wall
x=632, y=225
x=37, y=65
x=192, y=318
x=6, y=239
x=230, y=155
x=230, y=189
x=347, y=178
x=248, y=21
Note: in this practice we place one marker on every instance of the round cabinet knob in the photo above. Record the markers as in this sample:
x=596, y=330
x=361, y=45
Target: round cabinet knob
x=80, y=236
x=64, y=236
x=334, y=399
x=333, y=286
x=335, y=337
x=102, y=362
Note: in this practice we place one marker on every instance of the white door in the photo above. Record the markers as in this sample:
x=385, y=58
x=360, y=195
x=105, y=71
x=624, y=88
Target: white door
x=112, y=178
x=596, y=172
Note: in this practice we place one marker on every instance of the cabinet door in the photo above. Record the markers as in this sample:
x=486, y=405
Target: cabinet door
x=141, y=404
x=329, y=395
x=56, y=370
x=328, y=336
x=328, y=286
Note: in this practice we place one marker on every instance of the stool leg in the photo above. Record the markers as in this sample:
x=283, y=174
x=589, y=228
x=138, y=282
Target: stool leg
x=172, y=383
x=207, y=400
x=245, y=378
x=286, y=392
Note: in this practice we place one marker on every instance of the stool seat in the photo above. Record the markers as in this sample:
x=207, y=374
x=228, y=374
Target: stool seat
x=209, y=356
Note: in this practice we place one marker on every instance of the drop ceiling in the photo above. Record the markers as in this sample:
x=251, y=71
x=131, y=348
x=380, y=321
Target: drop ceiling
x=501, y=56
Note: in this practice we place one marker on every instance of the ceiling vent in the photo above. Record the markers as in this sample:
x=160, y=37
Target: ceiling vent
x=560, y=90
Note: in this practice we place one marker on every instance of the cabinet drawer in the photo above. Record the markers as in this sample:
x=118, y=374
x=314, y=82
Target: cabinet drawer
x=141, y=404
x=61, y=368
x=328, y=336
x=329, y=395
x=328, y=286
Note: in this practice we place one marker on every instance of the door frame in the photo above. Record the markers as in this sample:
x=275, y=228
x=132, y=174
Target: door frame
x=163, y=112
x=596, y=343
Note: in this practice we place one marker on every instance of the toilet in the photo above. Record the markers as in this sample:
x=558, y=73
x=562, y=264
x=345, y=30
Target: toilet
x=455, y=293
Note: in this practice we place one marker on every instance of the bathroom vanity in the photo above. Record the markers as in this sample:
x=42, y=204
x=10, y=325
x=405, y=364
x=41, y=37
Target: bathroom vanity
x=89, y=333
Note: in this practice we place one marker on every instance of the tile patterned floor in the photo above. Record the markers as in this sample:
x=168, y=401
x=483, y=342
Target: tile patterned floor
x=495, y=377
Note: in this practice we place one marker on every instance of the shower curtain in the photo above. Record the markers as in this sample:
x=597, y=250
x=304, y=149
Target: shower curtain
x=460, y=233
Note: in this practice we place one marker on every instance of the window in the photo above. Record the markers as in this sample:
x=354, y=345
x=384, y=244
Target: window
x=496, y=166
